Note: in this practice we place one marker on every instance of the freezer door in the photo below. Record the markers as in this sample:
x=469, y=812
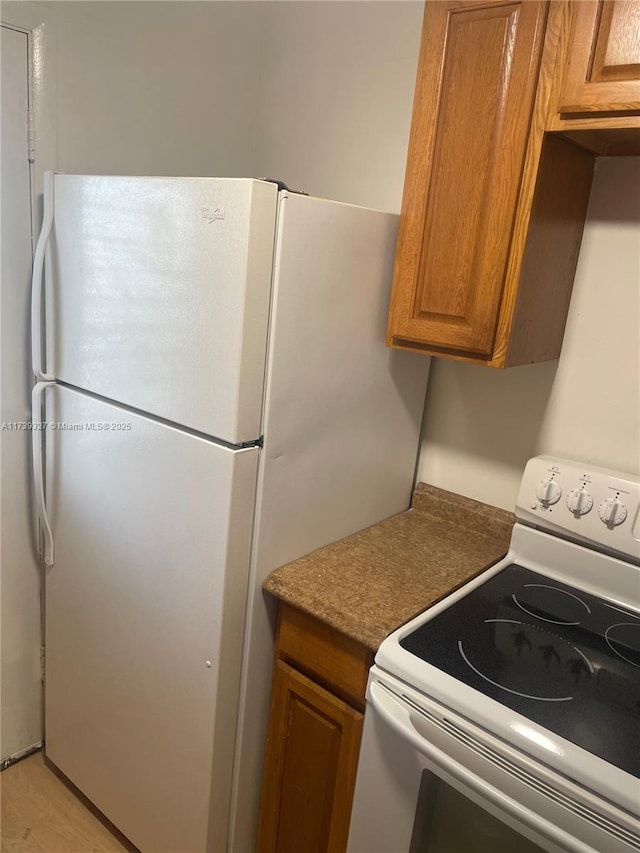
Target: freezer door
x=158, y=295
x=144, y=617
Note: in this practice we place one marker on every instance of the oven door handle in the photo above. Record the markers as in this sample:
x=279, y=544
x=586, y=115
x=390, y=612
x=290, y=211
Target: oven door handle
x=397, y=715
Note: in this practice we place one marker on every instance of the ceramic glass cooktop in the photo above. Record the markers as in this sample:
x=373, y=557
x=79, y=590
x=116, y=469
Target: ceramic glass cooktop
x=566, y=660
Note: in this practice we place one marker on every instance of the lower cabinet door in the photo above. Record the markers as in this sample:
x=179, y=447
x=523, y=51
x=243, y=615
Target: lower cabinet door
x=310, y=767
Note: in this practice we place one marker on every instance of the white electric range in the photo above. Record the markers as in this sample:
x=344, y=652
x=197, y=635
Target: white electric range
x=506, y=718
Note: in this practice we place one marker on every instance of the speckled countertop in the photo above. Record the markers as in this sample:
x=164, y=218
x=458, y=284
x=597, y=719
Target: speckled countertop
x=368, y=584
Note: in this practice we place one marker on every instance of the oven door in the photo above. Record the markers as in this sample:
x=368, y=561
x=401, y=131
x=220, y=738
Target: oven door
x=431, y=782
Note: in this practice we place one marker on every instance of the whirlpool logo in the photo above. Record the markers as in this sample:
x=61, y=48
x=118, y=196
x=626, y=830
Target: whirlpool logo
x=212, y=215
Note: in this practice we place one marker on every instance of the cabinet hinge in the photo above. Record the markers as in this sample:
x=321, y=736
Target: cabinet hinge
x=31, y=136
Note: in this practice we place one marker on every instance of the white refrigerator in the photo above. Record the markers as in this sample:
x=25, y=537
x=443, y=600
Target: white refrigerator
x=216, y=400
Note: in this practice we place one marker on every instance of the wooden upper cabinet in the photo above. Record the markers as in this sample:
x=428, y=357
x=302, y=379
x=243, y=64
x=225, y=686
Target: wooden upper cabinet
x=494, y=206
x=602, y=71
x=513, y=101
x=473, y=105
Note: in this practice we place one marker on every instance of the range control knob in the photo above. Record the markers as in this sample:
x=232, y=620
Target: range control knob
x=612, y=512
x=579, y=501
x=548, y=492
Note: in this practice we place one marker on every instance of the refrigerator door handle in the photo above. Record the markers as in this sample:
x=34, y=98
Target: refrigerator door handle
x=37, y=282
x=37, y=437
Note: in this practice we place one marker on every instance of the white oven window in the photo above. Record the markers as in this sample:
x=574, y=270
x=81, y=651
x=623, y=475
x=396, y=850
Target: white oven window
x=447, y=822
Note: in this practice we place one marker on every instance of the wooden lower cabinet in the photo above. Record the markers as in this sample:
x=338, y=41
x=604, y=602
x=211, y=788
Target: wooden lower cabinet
x=313, y=741
x=312, y=756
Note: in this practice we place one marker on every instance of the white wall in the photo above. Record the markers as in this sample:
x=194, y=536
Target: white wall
x=336, y=95
x=164, y=88
x=20, y=575
x=482, y=425
x=318, y=94
x=334, y=120
x=20, y=710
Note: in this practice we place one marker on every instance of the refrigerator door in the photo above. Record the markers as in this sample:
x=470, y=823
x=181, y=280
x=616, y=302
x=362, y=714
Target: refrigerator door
x=342, y=425
x=158, y=295
x=144, y=615
x=342, y=411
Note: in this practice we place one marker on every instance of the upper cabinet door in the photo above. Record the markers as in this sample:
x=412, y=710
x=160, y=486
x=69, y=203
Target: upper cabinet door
x=603, y=61
x=475, y=91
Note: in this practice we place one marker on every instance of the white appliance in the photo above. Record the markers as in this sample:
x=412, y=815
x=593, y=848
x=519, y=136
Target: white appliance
x=507, y=717
x=216, y=401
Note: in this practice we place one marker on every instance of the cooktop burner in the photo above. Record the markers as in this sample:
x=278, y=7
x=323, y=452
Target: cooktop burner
x=541, y=600
x=559, y=656
x=548, y=666
x=624, y=639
